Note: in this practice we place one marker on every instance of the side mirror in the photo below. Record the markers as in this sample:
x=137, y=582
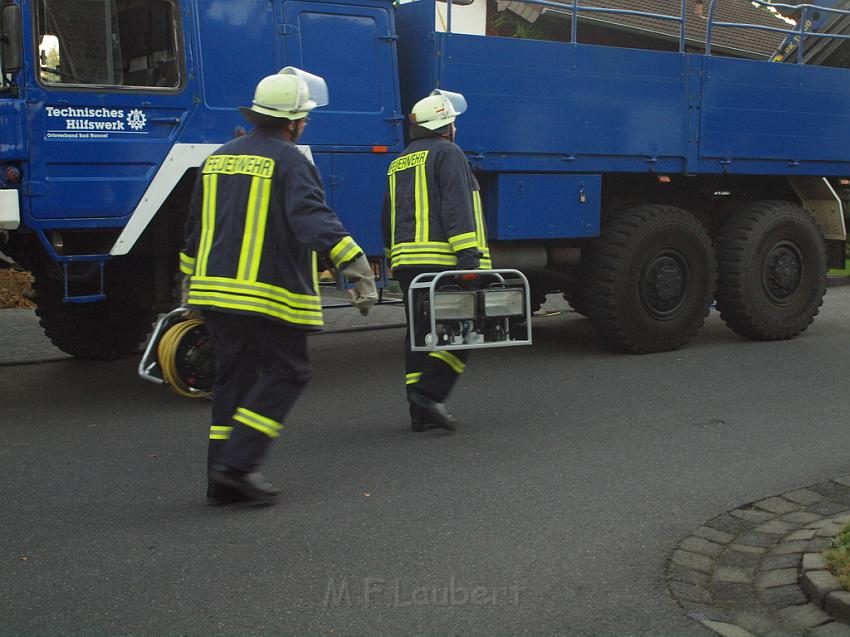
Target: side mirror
x=10, y=36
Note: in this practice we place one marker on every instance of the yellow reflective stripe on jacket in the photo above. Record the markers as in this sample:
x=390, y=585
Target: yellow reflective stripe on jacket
x=480, y=231
x=259, y=422
x=412, y=378
x=451, y=360
x=257, y=288
x=255, y=306
x=423, y=259
x=207, y=222
x=427, y=253
x=421, y=197
x=220, y=433
x=314, y=258
x=439, y=247
x=486, y=263
x=219, y=298
x=258, y=298
x=256, y=215
x=187, y=263
x=344, y=251
x=392, y=209
x=463, y=241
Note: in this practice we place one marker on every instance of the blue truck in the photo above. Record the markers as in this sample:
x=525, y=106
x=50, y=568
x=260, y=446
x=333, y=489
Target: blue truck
x=641, y=184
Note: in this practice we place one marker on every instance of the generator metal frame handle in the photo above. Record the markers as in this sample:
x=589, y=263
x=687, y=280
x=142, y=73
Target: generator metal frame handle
x=429, y=280
x=149, y=363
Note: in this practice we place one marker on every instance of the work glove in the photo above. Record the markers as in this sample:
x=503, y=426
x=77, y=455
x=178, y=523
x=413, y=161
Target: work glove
x=364, y=295
x=184, y=299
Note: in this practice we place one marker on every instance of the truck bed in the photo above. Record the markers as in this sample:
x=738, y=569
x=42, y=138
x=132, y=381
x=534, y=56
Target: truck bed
x=539, y=106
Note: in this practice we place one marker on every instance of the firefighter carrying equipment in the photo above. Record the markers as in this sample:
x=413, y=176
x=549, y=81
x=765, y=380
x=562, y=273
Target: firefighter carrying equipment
x=257, y=223
x=439, y=109
x=289, y=94
x=493, y=311
x=432, y=215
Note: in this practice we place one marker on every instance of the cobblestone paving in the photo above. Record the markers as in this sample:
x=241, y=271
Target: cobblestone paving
x=738, y=574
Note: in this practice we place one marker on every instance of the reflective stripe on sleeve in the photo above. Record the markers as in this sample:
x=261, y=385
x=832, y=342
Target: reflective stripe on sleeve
x=344, y=251
x=463, y=241
x=187, y=263
x=220, y=433
x=412, y=378
x=451, y=360
x=261, y=423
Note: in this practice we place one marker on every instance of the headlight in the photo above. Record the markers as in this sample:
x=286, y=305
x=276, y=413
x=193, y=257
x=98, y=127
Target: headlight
x=503, y=303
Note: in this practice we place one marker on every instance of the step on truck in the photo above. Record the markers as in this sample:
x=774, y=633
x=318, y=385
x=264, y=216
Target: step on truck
x=644, y=185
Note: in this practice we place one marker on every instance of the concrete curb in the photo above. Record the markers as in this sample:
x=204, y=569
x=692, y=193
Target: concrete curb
x=756, y=571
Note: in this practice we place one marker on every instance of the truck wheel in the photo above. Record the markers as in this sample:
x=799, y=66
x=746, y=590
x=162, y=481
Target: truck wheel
x=104, y=330
x=651, y=279
x=772, y=270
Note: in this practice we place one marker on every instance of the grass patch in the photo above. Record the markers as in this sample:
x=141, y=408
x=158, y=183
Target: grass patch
x=838, y=557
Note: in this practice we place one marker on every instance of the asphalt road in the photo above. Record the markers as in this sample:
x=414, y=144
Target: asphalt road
x=553, y=511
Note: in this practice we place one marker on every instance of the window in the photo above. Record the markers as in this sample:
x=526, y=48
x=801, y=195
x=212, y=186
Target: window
x=129, y=43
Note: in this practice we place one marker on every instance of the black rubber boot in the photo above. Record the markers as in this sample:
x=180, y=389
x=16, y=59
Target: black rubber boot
x=253, y=486
x=435, y=413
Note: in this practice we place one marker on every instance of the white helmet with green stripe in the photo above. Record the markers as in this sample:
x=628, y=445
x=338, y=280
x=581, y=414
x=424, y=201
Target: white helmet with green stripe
x=439, y=109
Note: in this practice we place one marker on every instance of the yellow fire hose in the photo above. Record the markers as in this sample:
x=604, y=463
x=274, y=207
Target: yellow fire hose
x=167, y=355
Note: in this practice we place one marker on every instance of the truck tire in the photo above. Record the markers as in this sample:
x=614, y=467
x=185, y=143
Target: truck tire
x=772, y=270
x=103, y=330
x=651, y=279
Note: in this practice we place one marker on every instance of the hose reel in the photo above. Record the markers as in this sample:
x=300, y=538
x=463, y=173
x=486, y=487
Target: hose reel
x=180, y=355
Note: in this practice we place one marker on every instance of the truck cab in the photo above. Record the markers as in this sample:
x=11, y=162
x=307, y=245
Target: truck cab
x=114, y=104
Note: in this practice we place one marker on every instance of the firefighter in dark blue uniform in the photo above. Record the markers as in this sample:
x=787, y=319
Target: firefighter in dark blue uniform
x=257, y=225
x=432, y=222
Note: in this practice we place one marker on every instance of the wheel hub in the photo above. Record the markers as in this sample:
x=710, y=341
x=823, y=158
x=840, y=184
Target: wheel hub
x=782, y=272
x=665, y=283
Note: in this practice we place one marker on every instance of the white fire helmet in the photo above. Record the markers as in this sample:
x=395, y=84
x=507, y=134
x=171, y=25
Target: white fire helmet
x=290, y=94
x=439, y=109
